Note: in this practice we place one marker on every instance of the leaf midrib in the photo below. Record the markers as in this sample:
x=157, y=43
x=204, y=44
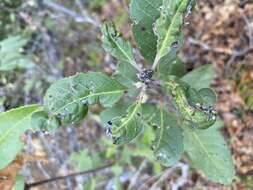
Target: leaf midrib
x=205, y=150
x=130, y=117
x=130, y=60
x=169, y=31
x=162, y=128
x=88, y=96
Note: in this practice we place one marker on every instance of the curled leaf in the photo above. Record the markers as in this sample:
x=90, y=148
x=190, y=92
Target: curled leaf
x=68, y=99
x=208, y=95
x=42, y=121
x=188, y=102
x=126, y=127
x=169, y=25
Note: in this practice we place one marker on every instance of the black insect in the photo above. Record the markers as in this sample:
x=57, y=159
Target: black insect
x=145, y=76
x=175, y=45
x=208, y=110
x=108, y=130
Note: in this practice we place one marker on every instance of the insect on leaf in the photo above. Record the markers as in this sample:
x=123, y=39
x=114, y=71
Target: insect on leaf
x=125, y=128
x=121, y=49
x=42, y=121
x=188, y=102
x=68, y=99
x=169, y=25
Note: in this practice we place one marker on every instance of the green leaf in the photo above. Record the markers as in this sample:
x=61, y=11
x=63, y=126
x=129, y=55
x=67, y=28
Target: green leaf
x=170, y=66
x=208, y=95
x=125, y=128
x=10, y=56
x=110, y=113
x=42, y=121
x=121, y=49
x=189, y=105
x=19, y=183
x=68, y=99
x=81, y=161
x=143, y=14
x=126, y=75
x=114, y=44
x=13, y=124
x=168, y=144
x=208, y=152
x=193, y=96
x=168, y=27
x=201, y=77
x=90, y=184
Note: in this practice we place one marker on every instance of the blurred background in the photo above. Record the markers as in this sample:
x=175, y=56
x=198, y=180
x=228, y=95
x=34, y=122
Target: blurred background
x=62, y=37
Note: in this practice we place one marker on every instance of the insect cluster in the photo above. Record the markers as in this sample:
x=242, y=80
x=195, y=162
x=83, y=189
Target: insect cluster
x=145, y=76
x=208, y=110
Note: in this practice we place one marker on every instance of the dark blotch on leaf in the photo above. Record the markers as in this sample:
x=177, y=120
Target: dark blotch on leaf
x=143, y=28
x=175, y=45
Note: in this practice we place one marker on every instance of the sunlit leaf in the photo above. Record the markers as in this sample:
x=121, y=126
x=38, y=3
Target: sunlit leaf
x=13, y=124
x=19, y=183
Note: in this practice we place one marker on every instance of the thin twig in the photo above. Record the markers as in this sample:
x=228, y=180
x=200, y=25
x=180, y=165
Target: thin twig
x=183, y=178
x=137, y=174
x=250, y=31
x=238, y=54
x=164, y=176
x=28, y=186
x=85, y=14
x=150, y=180
x=180, y=182
x=205, y=46
x=77, y=17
